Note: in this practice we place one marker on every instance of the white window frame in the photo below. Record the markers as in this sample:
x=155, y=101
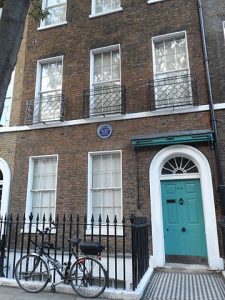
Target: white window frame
x=224, y=28
x=89, y=203
x=94, y=14
x=164, y=37
x=93, y=52
x=6, y=114
x=30, y=183
x=38, y=75
x=42, y=22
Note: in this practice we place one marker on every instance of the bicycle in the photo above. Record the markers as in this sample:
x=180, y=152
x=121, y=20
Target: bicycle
x=86, y=275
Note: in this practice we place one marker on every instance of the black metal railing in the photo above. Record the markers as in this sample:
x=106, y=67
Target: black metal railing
x=173, y=92
x=104, y=101
x=45, y=109
x=126, y=244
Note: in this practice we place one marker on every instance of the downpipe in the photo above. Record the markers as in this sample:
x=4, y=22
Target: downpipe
x=212, y=113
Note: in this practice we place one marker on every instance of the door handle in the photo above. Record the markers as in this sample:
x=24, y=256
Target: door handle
x=183, y=229
x=181, y=201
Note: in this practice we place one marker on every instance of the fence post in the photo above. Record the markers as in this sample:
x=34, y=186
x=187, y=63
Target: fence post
x=140, y=260
x=2, y=254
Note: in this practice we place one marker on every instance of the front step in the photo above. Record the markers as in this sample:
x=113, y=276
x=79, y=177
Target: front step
x=185, y=285
x=177, y=267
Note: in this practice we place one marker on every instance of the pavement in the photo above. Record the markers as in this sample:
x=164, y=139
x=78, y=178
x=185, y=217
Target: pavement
x=13, y=293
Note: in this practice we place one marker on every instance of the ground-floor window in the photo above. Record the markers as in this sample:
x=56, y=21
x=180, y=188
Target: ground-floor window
x=105, y=185
x=41, y=197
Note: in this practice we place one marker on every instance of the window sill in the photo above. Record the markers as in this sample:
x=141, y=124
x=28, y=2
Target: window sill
x=105, y=13
x=51, y=26
x=153, y=1
x=103, y=231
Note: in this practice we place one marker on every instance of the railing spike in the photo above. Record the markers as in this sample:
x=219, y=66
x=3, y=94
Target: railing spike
x=77, y=218
x=100, y=219
x=107, y=219
x=92, y=219
x=31, y=217
x=115, y=220
x=64, y=218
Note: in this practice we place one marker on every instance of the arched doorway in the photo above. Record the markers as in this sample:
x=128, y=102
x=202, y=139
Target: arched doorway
x=201, y=178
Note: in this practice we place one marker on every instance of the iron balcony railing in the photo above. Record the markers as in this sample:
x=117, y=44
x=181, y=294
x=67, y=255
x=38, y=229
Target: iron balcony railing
x=45, y=109
x=173, y=92
x=104, y=101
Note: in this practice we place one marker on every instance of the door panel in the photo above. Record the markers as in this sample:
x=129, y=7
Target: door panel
x=183, y=219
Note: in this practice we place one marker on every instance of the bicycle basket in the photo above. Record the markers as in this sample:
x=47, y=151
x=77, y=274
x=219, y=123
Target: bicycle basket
x=91, y=248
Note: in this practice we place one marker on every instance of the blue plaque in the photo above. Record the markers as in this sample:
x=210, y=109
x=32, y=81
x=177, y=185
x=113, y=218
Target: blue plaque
x=104, y=131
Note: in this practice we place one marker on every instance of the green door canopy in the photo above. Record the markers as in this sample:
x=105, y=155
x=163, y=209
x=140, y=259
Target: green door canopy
x=172, y=138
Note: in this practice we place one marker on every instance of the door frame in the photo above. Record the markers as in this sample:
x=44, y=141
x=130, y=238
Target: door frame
x=158, y=258
x=5, y=187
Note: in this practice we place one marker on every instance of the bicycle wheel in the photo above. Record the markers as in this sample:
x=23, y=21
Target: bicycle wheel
x=32, y=273
x=88, y=277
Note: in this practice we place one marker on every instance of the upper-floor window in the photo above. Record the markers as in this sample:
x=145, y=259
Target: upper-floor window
x=56, y=12
x=105, y=81
x=5, y=118
x=42, y=182
x=48, y=98
x=100, y=7
x=171, y=70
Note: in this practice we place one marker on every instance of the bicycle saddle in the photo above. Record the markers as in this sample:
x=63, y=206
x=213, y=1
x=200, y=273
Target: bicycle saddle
x=74, y=242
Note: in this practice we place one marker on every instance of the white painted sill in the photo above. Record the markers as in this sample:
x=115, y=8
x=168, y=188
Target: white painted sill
x=153, y=1
x=103, y=232
x=51, y=26
x=105, y=13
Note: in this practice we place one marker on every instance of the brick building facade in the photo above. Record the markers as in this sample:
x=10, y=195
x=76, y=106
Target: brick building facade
x=114, y=119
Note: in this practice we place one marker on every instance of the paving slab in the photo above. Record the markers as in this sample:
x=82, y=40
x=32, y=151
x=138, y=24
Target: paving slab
x=13, y=293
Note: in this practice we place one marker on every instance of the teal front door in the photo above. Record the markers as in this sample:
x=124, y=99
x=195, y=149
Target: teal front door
x=183, y=220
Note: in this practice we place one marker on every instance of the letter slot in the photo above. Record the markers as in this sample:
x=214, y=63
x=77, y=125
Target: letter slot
x=170, y=201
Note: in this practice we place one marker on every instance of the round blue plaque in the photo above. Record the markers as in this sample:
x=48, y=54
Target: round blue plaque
x=104, y=131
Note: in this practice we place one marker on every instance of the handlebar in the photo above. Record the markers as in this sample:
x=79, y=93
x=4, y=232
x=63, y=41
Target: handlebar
x=47, y=229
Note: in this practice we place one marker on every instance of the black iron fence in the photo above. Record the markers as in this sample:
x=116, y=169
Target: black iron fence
x=125, y=257
x=46, y=108
x=173, y=92
x=104, y=100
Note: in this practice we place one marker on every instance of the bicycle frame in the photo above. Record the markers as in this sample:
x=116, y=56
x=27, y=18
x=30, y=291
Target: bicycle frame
x=57, y=266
